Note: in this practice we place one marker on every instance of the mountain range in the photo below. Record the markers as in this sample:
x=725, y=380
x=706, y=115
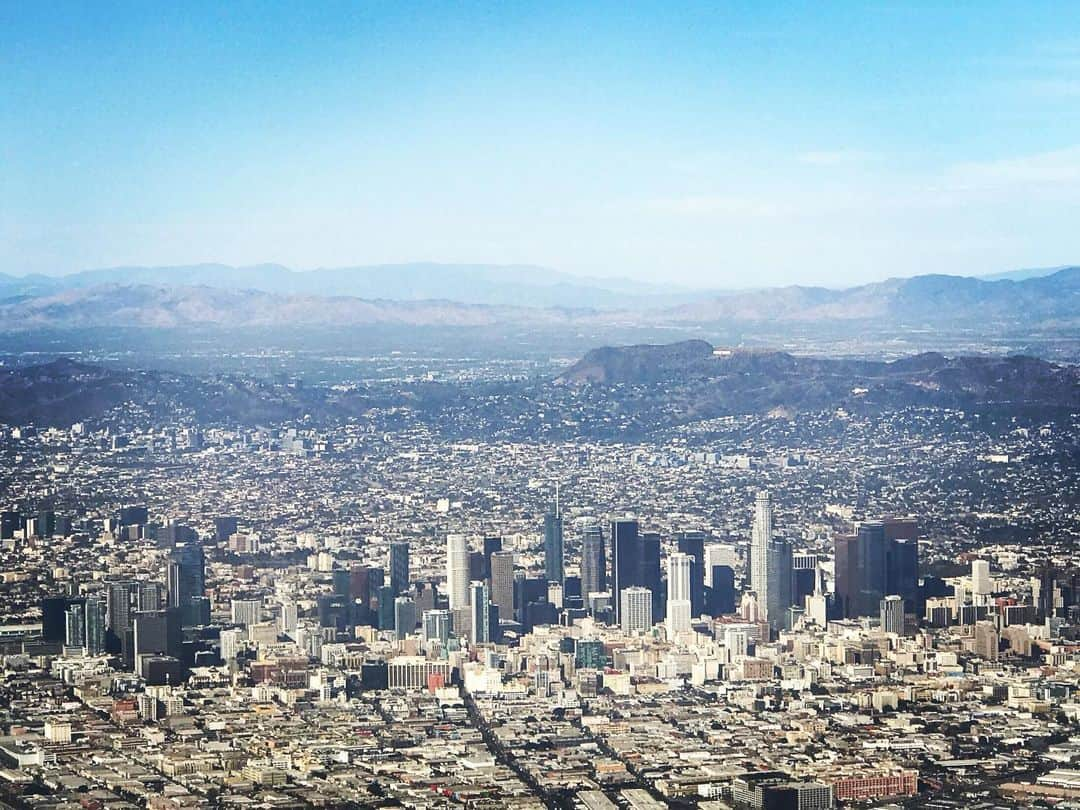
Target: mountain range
x=650, y=387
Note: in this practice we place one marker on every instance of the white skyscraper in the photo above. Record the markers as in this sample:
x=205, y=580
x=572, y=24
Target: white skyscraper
x=457, y=571
x=980, y=580
x=636, y=613
x=678, y=606
x=718, y=554
x=759, y=548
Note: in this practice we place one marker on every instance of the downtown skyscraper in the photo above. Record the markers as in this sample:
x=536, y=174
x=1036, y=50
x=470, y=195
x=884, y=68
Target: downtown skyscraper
x=457, y=571
x=679, y=567
x=760, y=536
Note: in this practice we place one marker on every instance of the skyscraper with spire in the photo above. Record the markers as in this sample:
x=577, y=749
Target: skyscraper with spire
x=553, y=543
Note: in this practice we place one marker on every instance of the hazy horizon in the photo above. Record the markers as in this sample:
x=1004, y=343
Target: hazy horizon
x=709, y=148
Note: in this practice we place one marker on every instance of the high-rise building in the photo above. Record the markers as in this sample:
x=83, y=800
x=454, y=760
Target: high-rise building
x=54, y=618
x=693, y=543
x=892, y=614
x=437, y=626
x=625, y=561
x=457, y=571
x=651, y=577
x=778, y=595
x=980, y=579
x=399, y=566
x=289, y=617
x=680, y=571
x=225, y=527
x=718, y=554
x=186, y=578
x=722, y=590
x=75, y=625
x=384, y=609
x=875, y=561
x=96, y=621
x=246, y=611
x=502, y=582
x=119, y=637
x=491, y=545
x=760, y=536
x=10, y=522
x=553, y=548
x=404, y=616
x=635, y=609
x=987, y=640
x=902, y=563
x=593, y=561
x=480, y=612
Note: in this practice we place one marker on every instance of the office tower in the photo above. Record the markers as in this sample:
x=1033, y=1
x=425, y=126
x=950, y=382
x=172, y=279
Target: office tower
x=10, y=522
x=553, y=548
x=289, y=618
x=693, y=543
x=760, y=536
x=491, y=545
x=341, y=581
x=118, y=636
x=437, y=626
x=360, y=584
x=625, y=561
x=804, y=577
x=96, y=619
x=198, y=614
x=502, y=582
x=54, y=618
x=149, y=596
x=718, y=554
x=987, y=640
x=230, y=642
x=186, y=579
x=399, y=566
x=457, y=571
x=722, y=590
x=902, y=563
x=892, y=614
x=680, y=572
x=425, y=595
x=981, y=588
x=246, y=611
x=75, y=625
x=1044, y=586
x=225, y=527
x=480, y=613
x=861, y=569
x=404, y=616
x=476, y=565
x=134, y=515
x=45, y=525
x=651, y=576
x=635, y=609
x=593, y=561
x=157, y=632
x=778, y=582
x=384, y=609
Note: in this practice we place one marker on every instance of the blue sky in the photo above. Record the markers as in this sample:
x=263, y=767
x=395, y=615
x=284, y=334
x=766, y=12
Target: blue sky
x=713, y=144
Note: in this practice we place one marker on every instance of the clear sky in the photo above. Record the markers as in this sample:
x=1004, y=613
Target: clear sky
x=717, y=144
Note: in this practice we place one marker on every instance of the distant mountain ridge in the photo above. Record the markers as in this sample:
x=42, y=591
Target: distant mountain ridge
x=215, y=295
x=493, y=285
